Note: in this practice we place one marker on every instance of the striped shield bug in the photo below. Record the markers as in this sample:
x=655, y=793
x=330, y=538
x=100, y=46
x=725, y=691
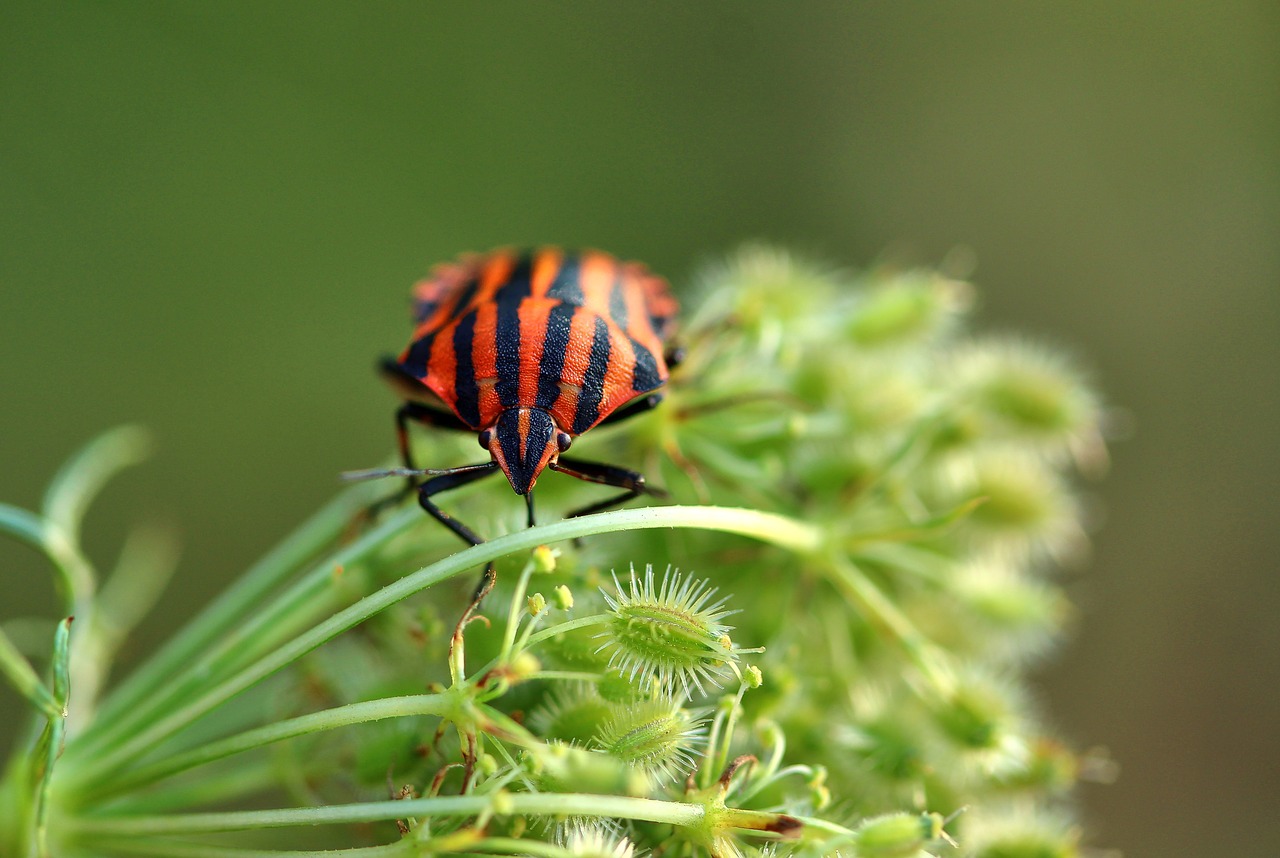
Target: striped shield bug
x=529, y=349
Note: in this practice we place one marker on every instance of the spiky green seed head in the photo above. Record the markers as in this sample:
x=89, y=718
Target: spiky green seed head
x=669, y=632
x=658, y=737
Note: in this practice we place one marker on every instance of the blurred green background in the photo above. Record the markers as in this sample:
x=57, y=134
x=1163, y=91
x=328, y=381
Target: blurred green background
x=210, y=216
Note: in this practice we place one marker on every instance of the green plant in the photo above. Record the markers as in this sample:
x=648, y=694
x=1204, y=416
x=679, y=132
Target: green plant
x=868, y=502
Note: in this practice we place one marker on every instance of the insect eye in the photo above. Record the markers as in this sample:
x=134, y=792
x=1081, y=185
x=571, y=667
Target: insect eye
x=486, y=437
x=563, y=440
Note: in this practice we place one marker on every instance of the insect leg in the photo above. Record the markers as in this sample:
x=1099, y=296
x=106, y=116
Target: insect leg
x=608, y=475
x=418, y=413
x=631, y=409
x=454, y=478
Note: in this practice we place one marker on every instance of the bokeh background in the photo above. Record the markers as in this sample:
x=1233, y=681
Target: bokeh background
x=210, y=215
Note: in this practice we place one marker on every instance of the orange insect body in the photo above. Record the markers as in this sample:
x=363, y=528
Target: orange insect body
x=533, y=348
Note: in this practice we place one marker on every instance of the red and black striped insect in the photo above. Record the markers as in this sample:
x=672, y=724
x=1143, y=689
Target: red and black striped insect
x=530, y=349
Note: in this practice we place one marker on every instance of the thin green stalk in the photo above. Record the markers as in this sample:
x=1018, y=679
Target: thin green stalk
x=51, y=740
x=570, y=675
x=517, y=607
x=85, y=474
x=181, y=849
x=22, y=676
x=517, y=846
x=522, y=643
x=814, y=823
x=315, y=722
x=223, y=613
x=146, y=562
x=730, y=724
x=232, y=783
x=250, y=638
x=882, y=613
x=514, y=804
x=767, y=527
x=571, y=625
x=73, y=572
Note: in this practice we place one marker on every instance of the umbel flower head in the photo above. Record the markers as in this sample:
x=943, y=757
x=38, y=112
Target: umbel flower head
x=914, y=479
x=670, y=633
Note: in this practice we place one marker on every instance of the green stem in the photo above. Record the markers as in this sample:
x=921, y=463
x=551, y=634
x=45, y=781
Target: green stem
x=221, y=785
x=767, y=527
x=315, y=722
x=885, y=616
x=181, y=849
x=570, y=675
x=74, y=574
x=192, y=655
x=730, y=724
x=814, y=823
x=516, y=846
x=517, y=607
x=562, y=628
x=519, y=804
x=54, y=732
x=83, y=476
x=22, y=676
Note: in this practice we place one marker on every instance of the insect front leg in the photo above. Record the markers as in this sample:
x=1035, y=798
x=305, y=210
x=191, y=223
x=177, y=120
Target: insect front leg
x=608, y=475
x=442, y=483
x=452, y=479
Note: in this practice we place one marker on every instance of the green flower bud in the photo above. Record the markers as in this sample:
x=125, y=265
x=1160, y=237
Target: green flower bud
x=897, y=835
x=1025, y=504
x=544, y=558
x=1027, y=393
x=984, y=723
x=1011, y=615
x=1022, y=835
x=912, y=307
x=563, y=596
x=537, y=604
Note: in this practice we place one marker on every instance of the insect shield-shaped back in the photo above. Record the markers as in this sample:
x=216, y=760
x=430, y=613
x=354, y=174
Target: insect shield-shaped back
x=576, y=335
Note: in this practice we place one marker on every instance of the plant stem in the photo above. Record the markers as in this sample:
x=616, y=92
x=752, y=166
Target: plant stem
x=181, y=849
x=315, y=722
x=54, y=732
x=885, y=616
x=517, y=609
x=74, y=575
x=192, y=656
x=523, y=804
x=570, y=625
x=767, y=527
x=22, y=676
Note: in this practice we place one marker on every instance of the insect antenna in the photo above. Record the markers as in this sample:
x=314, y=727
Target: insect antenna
x=380, y=473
